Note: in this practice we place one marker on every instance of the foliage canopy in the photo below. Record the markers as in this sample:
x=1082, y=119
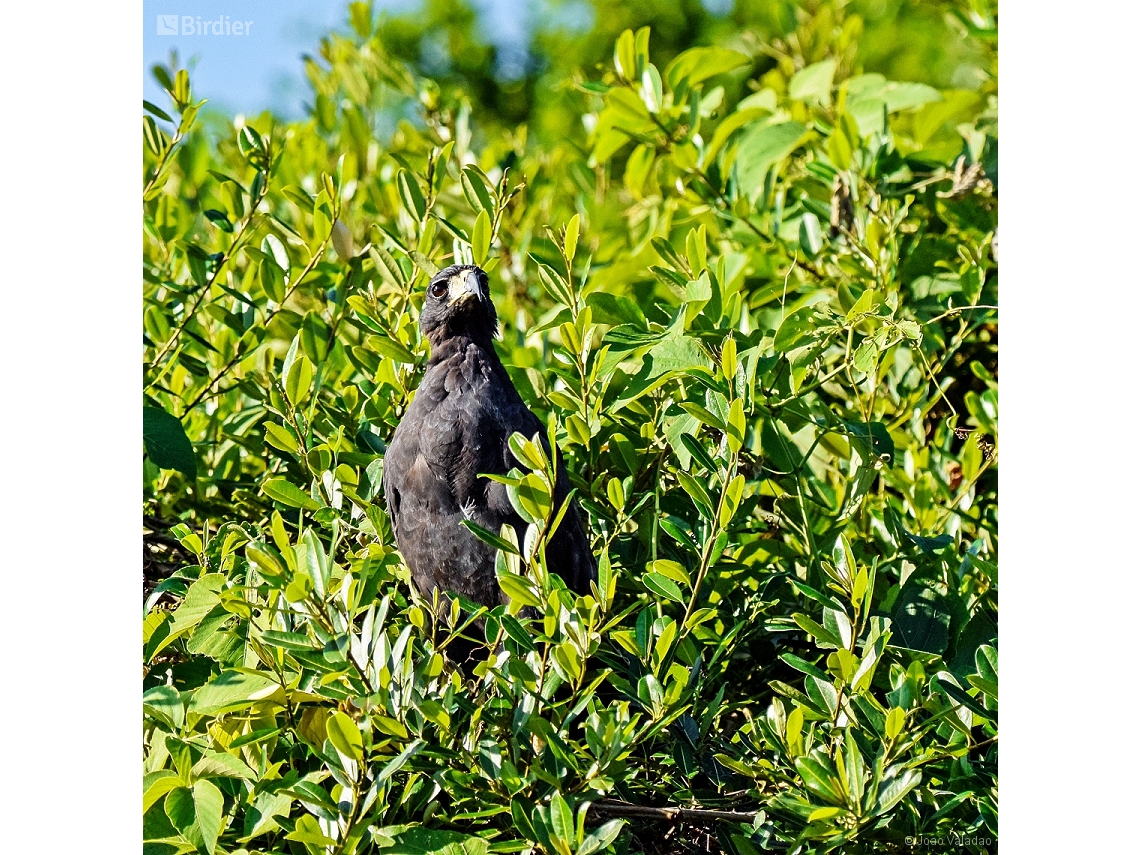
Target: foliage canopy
x=746, y=278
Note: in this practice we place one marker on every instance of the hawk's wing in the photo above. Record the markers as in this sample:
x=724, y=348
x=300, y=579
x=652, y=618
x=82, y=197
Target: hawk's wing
x=429, y=468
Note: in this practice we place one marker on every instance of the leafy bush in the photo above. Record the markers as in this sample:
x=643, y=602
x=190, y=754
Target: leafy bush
x=750, y=291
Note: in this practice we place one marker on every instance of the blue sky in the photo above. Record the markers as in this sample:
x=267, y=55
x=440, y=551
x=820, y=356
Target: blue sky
x=262, y=69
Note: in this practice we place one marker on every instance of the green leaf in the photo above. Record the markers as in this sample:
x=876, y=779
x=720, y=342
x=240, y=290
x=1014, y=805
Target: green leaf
x=280, y=437
x=208, y=805
x=865, y=304
x=865, y=357
x=839, y=149
x=151, y=108
x=983, y=685
x=813, y=83
x=895, y=719
x=570, y=243
x=308, y=832
x=874, y=441
x=164, y=702
x=263, y=558
x=922, y=618
x=672, y=570
x=808, y=591
x=870, y=95
x=811, y=238
x=651, y=90
x=803, y=666
x=289, y=494
x=813, y=629
x=704, y=416
x=663, y=586
x=386, y=265
x=519, y=589
x=411, y=195
x=400, y=760
x=158, y=784
x=221, y=764
x=821, y=780
x=435, y=841
x=824, y=813
x=554, y=284
x=179, y=807
x=521, y=813
x=489, y=537
x=475, y=190
x=732, y=495
x=736, y=425
x=961, y=697
x=697, y=492
x=728, y=362
x=625, y=58
x=893, y=790
x=600, y=838
x=314, y=562
x=527, y=452
x=481, y=238
x=181, y=92
x=698, y=64
x=423, y=262
x=730, y=125
x=272, y=246
x=534, y=500
x=230, y=690
x=561, y=820
x=249, y=142
x=794, y=725
x=272, y=280
x=823, y=695
x=794, y=329
x=694, y=448
x=299, y=379
x=910, y=329
x=669, y=254
x=219, y=219
x=615, y=493
x=391, y=348
x=166, y=442
x=345, y=735
x=986, y=660
x=762, y=146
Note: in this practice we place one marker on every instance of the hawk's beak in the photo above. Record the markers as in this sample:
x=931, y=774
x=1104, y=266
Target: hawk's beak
x=463, y=287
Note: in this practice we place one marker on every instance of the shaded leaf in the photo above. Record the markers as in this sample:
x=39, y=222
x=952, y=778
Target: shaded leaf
x=166, y=442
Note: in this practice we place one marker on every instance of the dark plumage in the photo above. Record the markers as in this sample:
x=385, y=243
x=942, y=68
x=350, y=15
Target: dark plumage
x=456, y=429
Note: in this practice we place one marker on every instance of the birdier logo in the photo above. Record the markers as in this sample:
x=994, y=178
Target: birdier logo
x=193, y=25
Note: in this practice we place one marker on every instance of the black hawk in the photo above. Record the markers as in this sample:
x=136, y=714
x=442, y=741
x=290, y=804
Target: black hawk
x=457, y=428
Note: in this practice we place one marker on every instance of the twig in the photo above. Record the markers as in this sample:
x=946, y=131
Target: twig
x=239, y=354
x=205, y=290
x=954, y=310
x=178, y=136
x=696, y=816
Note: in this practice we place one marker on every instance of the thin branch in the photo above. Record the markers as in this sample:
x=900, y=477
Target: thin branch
x=240, y=355
x=696, y=816
x=954, y=310
x=208, y=287
x=179, y=135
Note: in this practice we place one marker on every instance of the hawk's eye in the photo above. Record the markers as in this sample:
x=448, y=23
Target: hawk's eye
x=438, y=290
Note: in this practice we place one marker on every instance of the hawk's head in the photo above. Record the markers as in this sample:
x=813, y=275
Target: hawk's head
x=458, y=301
